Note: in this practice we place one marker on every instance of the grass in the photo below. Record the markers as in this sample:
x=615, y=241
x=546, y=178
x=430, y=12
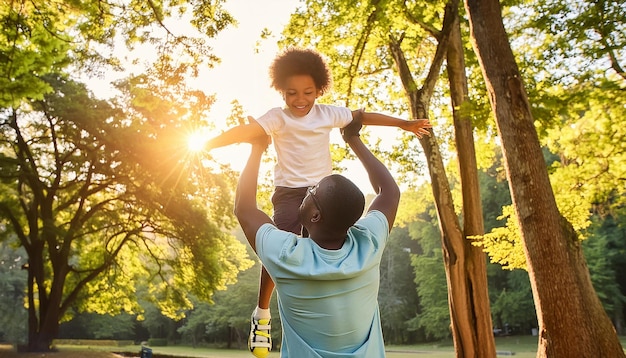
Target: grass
x=521, y=346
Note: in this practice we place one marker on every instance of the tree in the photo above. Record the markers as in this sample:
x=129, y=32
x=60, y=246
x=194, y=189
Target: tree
x=390, y=43
x=571, y=319
x=29, y=48
x=83, y=36
x=97, y=213
x=99, y=194
x=474, y=282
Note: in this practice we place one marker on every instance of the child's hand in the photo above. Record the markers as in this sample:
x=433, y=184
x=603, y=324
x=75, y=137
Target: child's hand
x=417, y=126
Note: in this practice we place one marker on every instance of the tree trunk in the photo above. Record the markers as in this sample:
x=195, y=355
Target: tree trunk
x=44, y=306
x=465, y=267
x=43, y=321
x=476, y=260
x=572, y=322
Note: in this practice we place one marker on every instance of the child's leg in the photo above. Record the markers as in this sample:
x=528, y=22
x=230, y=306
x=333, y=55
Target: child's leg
x=266, y=287
x=286, y=202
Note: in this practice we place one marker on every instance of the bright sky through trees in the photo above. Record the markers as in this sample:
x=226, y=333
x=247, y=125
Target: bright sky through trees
x=243, y=75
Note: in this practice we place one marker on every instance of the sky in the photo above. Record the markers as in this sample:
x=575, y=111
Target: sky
x=243, y=72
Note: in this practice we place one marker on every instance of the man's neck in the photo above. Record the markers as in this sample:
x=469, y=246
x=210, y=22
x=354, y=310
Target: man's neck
x=328, y=240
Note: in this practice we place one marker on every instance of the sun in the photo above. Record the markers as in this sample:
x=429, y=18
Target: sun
x=196, y=141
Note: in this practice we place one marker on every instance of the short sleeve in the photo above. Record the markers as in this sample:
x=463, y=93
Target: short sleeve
x=271, y=121
x=376, y=223
x=271, y=242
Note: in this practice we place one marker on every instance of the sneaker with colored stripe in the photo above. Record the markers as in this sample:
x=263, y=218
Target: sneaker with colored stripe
x=260, y=340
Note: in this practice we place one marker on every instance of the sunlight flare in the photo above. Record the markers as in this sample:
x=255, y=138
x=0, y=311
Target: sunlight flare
x=196, y=141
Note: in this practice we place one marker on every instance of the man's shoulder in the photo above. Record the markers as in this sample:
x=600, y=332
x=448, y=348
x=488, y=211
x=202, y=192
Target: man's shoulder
x=374, y=215
x=270, y=237
x=374, y=221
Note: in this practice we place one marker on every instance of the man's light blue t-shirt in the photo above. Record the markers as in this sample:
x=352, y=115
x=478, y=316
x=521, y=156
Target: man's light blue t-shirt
x=328, y=298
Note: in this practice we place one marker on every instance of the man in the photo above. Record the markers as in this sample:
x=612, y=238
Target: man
x=328, y=283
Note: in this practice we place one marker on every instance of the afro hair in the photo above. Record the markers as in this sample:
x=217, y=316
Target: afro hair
x=297, y=61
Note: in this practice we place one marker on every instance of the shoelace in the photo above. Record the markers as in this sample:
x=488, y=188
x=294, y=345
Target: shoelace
x=261, y=337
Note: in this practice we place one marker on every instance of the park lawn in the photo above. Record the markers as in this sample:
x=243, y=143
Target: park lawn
x=521, y=346
x=7, y=351
x=434, y=350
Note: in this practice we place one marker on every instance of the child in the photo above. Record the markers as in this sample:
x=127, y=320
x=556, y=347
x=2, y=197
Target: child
x=301, y=136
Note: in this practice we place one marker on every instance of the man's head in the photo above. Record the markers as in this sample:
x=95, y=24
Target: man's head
x=334, y=204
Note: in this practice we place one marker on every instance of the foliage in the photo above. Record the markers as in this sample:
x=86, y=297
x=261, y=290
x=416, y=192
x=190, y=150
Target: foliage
x=397, y=296
x=512, y=300
x=42, y=37
x=605, y=253
x=592, y=153
x=94, y=326
x=591, y=157
x=588, y=34
x=228, y=318
x=494, y=192
x=577, y=106
x=12, y=286
x=504, y=244
x=29, y=49
x=432, y=317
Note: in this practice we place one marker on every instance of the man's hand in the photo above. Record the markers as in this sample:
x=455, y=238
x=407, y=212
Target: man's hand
x=352, y=129
x=417, y=126
x=262, y=140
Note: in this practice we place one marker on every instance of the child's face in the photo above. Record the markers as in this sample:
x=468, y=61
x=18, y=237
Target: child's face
x=300, y=94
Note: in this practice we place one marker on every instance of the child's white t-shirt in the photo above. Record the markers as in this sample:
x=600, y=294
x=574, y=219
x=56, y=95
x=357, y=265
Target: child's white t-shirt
x=303, y=143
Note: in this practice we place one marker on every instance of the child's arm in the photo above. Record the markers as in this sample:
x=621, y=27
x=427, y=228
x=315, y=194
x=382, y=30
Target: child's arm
x=417, y=126
x=240, y=134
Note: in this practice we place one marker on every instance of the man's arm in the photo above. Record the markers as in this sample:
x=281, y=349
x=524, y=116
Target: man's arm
x=239, y=134
x=249, y=216
x=417, y=126
x=383, y=183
